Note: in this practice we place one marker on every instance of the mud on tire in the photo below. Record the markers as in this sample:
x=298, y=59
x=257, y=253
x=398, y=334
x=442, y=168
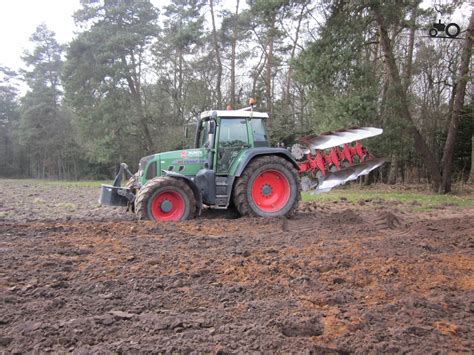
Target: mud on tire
x=269, y=187
x=165, y=198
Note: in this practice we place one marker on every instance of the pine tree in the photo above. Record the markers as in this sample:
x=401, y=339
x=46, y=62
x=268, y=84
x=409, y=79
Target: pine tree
x=45, y=131
x=9, y=121
x=104, y=77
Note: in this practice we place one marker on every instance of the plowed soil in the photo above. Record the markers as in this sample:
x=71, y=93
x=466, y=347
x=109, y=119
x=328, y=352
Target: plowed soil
x=336, y=278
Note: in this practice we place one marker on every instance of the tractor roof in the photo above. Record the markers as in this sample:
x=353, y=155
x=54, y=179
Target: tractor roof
x=234, y=114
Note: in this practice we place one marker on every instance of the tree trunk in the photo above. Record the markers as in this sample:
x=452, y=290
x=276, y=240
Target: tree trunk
x=384, y=94
x=180, y=86
x=452, y=97
x=286, y=92
x=448, y=153
x=420, y=143
x=135, y=91
x=392, y=176
x=257, y=72
x=268, y=74
x=411, y=42
x=232, y=59
x=142, y=121
x=302, y=95
x=218, y=57
x=471, y=174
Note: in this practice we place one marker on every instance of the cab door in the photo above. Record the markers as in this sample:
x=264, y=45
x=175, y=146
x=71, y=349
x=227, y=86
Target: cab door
x=233, y=137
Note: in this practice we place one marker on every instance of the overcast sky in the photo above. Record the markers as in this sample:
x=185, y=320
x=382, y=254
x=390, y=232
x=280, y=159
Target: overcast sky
x=19, y=19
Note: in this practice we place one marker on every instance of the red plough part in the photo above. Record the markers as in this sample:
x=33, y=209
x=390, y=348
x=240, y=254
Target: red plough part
x=334, y=159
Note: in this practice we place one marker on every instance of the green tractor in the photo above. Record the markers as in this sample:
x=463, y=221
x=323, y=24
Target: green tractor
x=231, y=164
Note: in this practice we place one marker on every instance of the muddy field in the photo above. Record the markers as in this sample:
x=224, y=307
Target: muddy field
x=372, y=276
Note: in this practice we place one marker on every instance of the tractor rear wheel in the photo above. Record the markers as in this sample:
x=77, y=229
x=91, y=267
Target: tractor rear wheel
x=165, y=199
x=268, y=187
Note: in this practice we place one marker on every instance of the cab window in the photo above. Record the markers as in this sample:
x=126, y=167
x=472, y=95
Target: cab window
x=259, y=132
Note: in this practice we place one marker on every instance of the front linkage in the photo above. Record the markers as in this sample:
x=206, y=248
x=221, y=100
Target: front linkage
x=115, y=194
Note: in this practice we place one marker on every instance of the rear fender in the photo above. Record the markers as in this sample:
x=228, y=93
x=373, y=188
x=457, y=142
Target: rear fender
x=191, y=184
x=252, y=153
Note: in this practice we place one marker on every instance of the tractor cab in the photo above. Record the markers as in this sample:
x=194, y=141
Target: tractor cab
x=225, y=134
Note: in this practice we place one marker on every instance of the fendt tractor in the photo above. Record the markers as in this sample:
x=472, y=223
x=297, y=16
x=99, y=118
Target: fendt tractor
x=233, y=164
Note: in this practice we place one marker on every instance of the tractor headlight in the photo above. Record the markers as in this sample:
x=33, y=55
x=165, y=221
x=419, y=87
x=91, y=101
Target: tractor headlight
x=143, y=163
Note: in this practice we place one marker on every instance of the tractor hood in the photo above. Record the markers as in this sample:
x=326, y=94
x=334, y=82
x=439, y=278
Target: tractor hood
x=186, y=162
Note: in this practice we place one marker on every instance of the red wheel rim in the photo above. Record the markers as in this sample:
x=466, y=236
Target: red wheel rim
x=168, y=206
x=271, y=191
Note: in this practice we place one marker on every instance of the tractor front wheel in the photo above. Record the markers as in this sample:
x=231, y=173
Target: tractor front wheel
x=165, y=199
x=268, y=187
x=132, y=185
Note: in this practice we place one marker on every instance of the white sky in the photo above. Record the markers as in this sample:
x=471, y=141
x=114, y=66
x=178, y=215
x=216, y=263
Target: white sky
x=19, y=19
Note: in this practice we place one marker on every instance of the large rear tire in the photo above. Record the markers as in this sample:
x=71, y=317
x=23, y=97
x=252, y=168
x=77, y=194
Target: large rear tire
x=165, y=199
x=268, y=187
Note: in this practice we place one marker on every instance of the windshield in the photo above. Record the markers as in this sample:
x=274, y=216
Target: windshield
x=233, y=131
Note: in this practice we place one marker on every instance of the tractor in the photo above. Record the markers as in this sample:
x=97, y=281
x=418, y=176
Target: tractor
x=233, y=164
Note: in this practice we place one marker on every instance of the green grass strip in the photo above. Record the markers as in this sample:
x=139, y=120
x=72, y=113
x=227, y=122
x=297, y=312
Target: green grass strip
x=422, y=199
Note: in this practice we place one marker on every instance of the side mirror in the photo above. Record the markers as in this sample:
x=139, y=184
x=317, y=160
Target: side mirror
x=212, y=127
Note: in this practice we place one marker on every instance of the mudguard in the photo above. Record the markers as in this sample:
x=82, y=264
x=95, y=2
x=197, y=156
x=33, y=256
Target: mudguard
x=191, y=184
x=251, y=153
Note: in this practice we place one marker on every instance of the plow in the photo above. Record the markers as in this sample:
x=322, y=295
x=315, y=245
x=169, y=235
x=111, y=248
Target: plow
x=334, y=158
x=233, y=165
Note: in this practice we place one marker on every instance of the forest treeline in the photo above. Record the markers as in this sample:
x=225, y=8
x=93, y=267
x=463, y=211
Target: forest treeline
x=135, y=75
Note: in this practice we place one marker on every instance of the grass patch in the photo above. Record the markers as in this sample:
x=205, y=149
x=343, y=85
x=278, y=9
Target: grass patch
x=39, y=201
x=419, y=200
x=67, y=206
x=64, y=183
